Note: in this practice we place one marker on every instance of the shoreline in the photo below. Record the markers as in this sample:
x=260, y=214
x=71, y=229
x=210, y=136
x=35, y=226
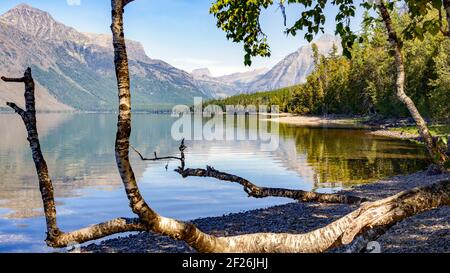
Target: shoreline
x=423, y=233
x=377, y=128
x=321, y=121
x=382, y=128
x=395, y=134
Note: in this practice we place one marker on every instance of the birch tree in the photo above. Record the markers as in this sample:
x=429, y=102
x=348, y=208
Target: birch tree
x=240, y=21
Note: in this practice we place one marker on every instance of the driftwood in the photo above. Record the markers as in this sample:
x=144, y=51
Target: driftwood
x=253, y=190
x=261, y=192
x=378, y=214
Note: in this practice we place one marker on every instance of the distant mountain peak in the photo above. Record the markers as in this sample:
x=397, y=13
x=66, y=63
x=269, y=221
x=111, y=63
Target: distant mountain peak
x=75, y=70
x=41, y=25
x=201, y=72
x=294, y=68
x=38, y=23
x=25, y=10
x=25, y=6
x=135, y=49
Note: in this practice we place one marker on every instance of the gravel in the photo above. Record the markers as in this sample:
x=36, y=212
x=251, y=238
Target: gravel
x=423, y=233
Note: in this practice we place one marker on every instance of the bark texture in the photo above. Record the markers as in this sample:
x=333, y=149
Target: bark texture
x=379, y=214
x=435, y=152
x=122, y=146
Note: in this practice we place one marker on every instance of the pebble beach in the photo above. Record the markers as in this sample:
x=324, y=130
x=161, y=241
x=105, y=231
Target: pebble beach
x=428, y=232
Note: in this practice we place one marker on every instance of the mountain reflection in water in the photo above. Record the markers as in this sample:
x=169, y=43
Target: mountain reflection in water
x=79, y=149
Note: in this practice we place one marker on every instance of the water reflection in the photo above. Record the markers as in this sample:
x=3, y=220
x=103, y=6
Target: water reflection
x=79, y=149
x=345, y=157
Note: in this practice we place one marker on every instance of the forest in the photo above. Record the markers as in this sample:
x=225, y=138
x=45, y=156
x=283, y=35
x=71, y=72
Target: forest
x=363, y=83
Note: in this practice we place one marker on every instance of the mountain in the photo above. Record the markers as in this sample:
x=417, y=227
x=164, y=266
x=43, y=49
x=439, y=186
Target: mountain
x=292, y=70
x=228, y=85
x=216, y=87
x=201, y=73
x=295, y=67
x=244, y=78
x=75, y=70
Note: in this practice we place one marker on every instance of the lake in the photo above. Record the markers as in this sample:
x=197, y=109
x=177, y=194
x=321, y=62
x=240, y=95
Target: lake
x=79, y=149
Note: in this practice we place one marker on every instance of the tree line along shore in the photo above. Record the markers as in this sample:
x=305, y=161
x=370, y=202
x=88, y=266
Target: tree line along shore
x=364, y=84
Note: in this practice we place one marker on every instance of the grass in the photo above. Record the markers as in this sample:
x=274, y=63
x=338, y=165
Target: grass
x=439, y=130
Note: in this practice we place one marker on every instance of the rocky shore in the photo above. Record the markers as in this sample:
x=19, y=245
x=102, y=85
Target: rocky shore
x=423, y=233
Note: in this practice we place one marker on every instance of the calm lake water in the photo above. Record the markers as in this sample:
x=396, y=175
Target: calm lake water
x=79, y=149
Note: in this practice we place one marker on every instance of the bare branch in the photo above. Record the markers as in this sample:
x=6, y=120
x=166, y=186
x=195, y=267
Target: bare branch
x=255, y=191
x=119, y=4
x=122, y=145
x=126, y=2
x=156, y=158
x=379, y=214
x=435, y=152
x=5, y=79
x=17, y=109
x=45, y=183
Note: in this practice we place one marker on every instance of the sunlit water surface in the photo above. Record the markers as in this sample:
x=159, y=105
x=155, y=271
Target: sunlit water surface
x=79, y=149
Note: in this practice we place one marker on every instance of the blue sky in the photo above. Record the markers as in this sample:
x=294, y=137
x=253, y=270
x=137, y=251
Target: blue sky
x=180, y=32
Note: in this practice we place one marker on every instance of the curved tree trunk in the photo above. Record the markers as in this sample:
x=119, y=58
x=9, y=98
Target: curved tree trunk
x=122, y=145
x=437, y=155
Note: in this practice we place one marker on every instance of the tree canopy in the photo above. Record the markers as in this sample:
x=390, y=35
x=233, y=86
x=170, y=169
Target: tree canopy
x=241, y=20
